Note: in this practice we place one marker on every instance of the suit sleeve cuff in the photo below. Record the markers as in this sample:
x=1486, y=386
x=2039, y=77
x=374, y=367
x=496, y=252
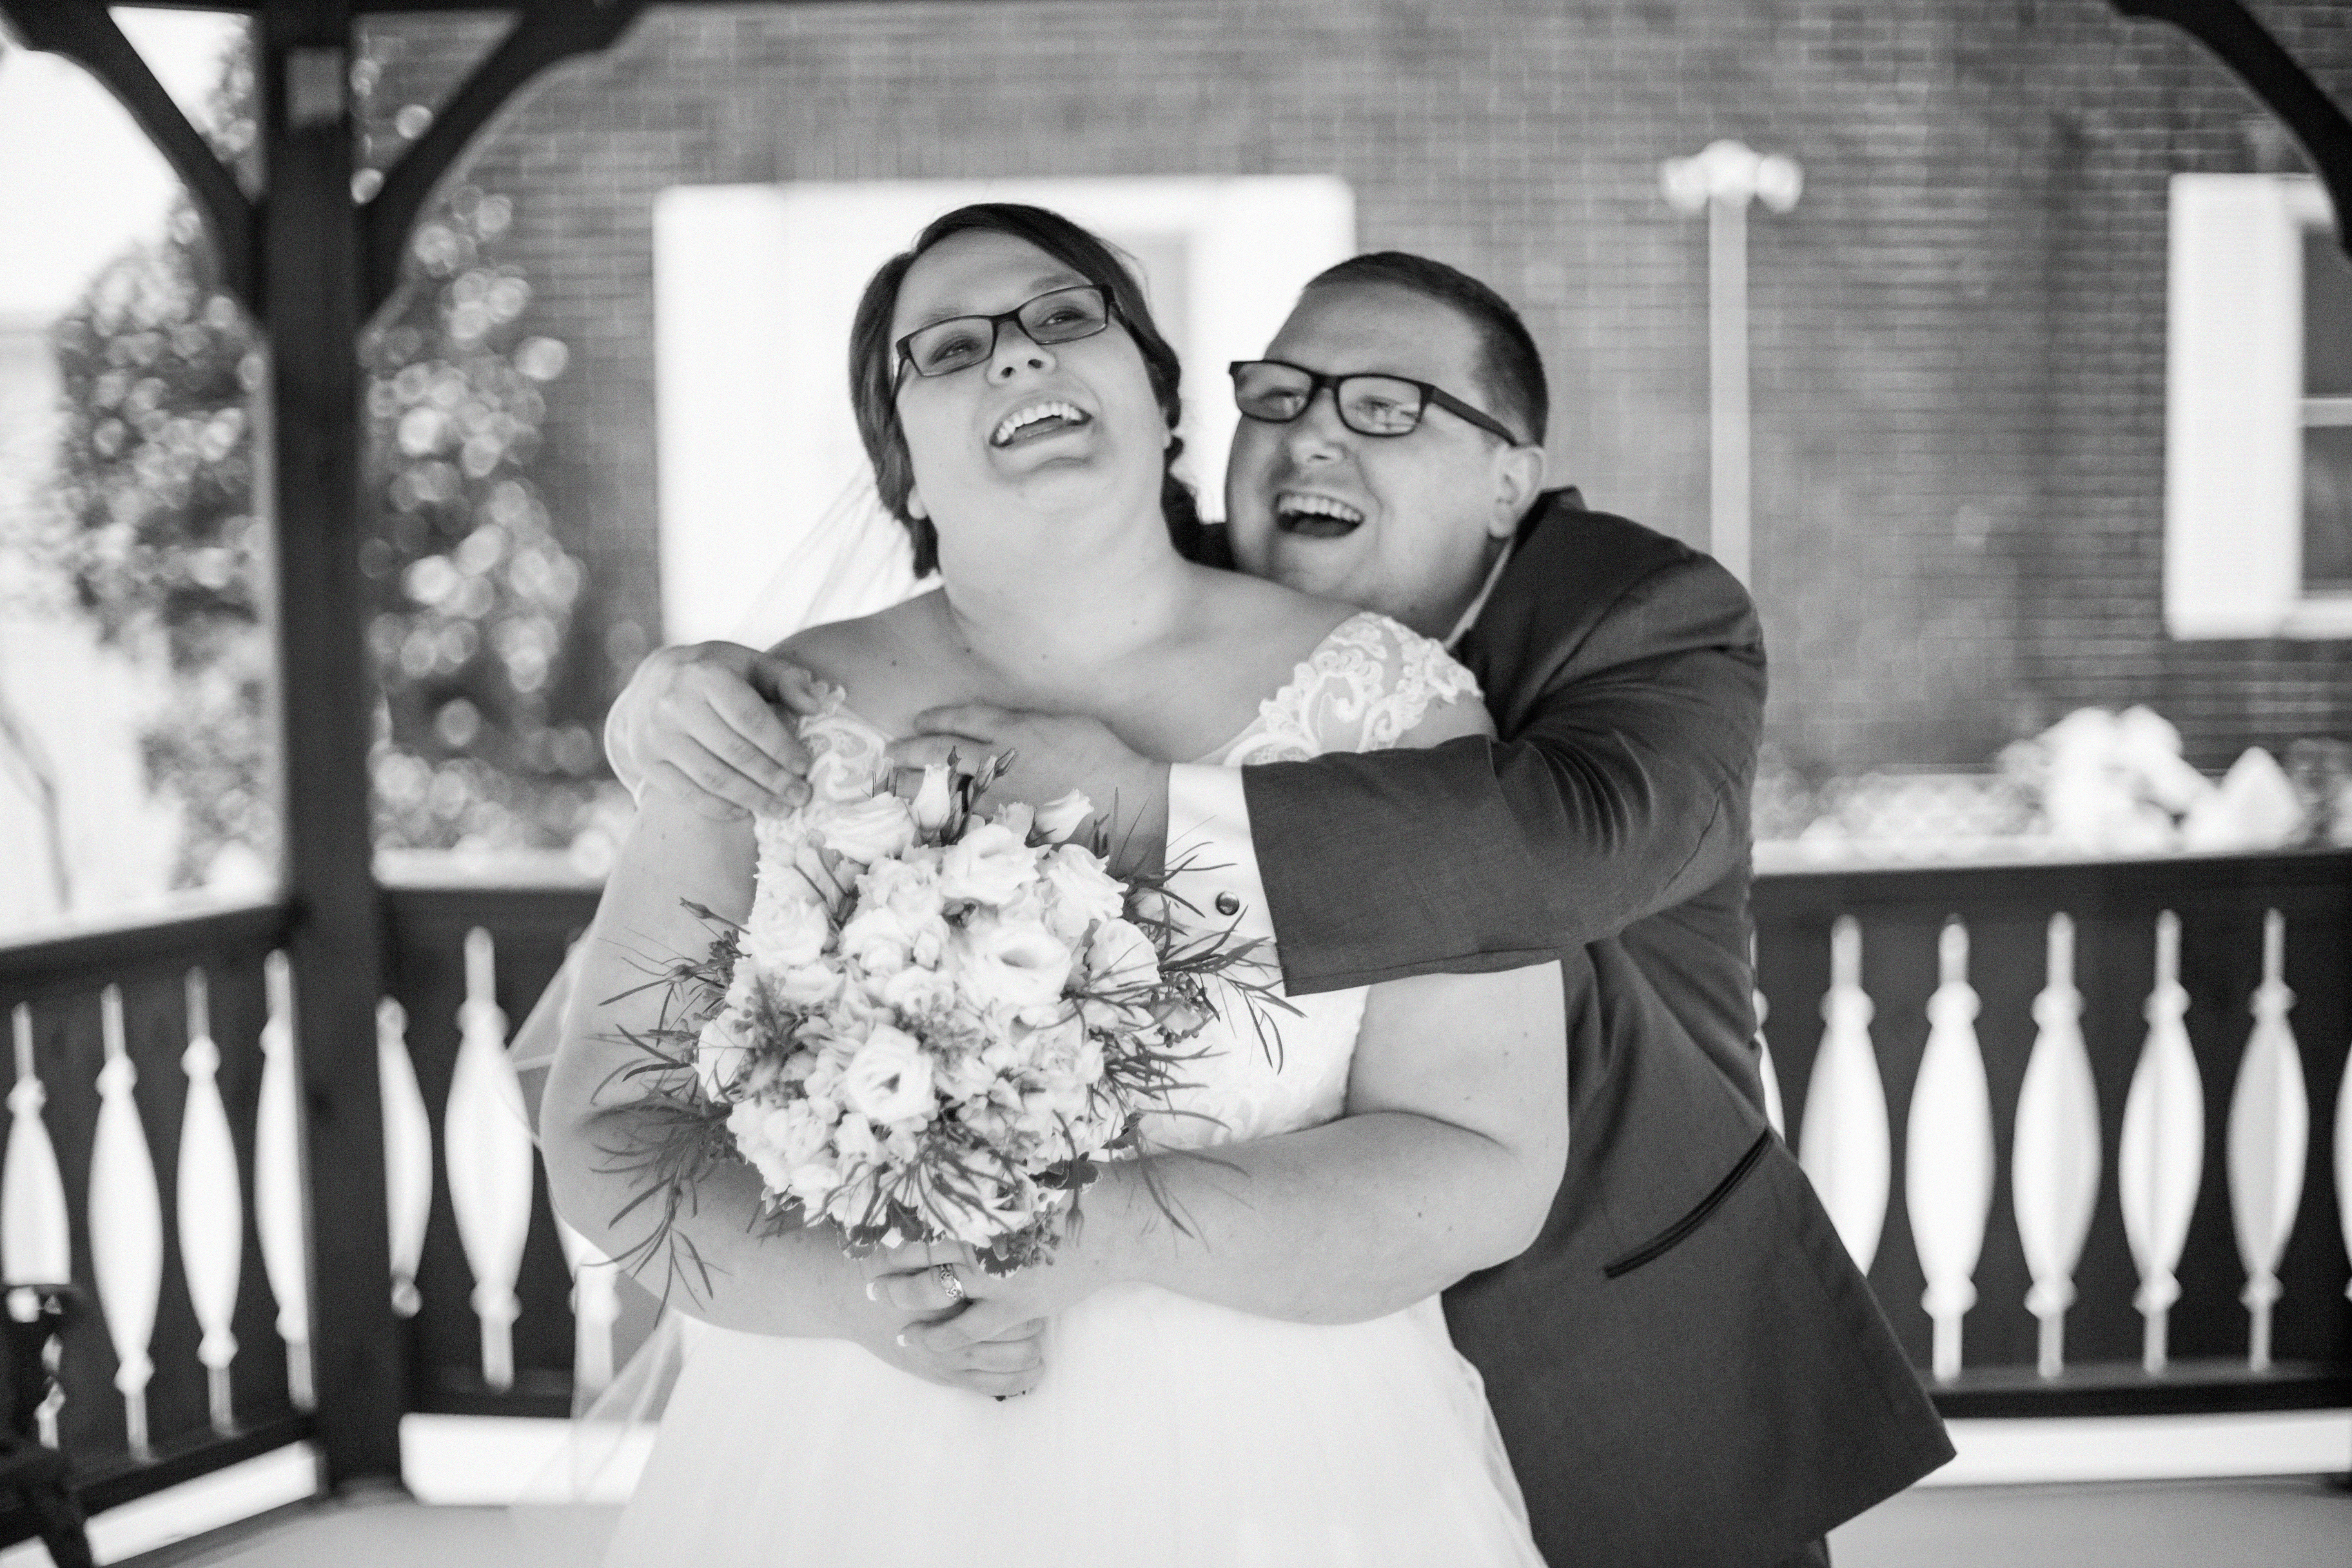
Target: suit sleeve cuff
x=1209, y=839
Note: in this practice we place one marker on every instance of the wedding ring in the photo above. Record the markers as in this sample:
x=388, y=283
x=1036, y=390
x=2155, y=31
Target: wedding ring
x=946, y=1275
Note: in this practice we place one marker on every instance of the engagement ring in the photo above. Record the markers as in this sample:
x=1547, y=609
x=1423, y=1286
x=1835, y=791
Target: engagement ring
x=946, y=1275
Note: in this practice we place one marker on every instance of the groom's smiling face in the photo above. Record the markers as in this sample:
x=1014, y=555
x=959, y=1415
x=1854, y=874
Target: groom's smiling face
x=1406, y=525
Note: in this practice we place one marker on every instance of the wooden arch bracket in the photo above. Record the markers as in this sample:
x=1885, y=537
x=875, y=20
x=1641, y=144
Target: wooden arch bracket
x=548, y=33
x=83, y=32
x=2275, y=78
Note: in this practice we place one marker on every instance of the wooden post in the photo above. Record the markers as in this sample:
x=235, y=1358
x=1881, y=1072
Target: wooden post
x=311, y=268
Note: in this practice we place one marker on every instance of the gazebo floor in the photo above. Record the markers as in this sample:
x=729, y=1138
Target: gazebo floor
x=2277, y=1523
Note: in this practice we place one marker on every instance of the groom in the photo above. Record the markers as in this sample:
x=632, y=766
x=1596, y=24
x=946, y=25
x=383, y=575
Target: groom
x=1685, y=1366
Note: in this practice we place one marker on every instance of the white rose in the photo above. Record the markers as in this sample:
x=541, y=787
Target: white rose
x=1008, y=965
x=807, y=985
x=798, y=1133
x=785, y=932
x=889, y=1079
x=1016, y=819
x=935, y=802
x=1121, y=958
x=878, y=939
x=988, y=865
x=910, y=887
x=812, y=1181
x=1059, y=820
x=1083, y=892
x=838, y=774
x=865, y=830
x=920, y=991
x=1050, y=1046
x=965, y=1076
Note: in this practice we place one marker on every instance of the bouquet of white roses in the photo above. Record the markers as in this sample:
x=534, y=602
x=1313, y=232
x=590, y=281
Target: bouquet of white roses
x=932, y=1024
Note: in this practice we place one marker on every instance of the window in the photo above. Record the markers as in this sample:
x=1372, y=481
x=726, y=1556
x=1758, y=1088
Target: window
x=2326, y=414
x=2258, y=437
x=754, y=286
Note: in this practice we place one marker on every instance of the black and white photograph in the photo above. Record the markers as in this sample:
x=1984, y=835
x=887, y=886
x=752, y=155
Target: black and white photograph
x=1187, y=784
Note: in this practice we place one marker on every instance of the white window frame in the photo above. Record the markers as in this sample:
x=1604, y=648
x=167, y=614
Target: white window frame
x=2235, y=411
x=748, y=279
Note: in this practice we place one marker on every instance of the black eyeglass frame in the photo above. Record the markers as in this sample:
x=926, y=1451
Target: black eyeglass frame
x=905, y=345
x=1318, y=381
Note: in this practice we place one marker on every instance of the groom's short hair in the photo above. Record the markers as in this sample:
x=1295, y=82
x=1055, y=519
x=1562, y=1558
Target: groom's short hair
x=1510, y=364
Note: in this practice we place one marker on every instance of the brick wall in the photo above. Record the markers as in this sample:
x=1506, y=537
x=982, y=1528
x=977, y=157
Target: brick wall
x=1958, y=335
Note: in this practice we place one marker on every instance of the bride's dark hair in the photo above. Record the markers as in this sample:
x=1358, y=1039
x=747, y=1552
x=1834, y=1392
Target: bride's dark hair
x=873, y=370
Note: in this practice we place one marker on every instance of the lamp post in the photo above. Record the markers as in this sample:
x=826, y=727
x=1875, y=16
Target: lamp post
x=1721, y=182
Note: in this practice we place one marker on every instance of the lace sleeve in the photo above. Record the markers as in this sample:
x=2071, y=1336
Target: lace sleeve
x=1366, y=687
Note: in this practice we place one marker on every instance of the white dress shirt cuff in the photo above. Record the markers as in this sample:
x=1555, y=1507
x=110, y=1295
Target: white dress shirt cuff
x=1209, y=837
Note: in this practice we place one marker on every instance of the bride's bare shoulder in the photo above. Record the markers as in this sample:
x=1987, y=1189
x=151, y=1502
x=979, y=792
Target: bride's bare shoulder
x=1267, y=614
x=875, y=659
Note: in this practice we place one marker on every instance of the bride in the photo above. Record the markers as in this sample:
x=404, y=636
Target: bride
x=1269, y=1382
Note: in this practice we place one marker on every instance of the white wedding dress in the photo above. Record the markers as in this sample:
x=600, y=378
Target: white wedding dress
x=1165, y=1432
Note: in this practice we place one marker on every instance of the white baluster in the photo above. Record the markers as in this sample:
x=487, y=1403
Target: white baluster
x=2053, y=1172
x=279, y=1206
x=1948, y=1151
x=2270, y=1136
x=596, y=1307
x=211, y=1205
x=2344, y=1157
x=486, y=1140
x=2162, y=1160
x=1845, y=1144
x=36, y=1234
x=407, y=1153
x=126, y=1225
x=1770, y=1074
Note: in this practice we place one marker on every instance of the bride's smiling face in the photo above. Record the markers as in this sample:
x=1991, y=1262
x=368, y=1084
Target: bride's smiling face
x=1032, y=427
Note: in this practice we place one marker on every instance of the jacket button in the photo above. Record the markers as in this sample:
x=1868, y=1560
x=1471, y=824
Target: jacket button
x=1228, y=905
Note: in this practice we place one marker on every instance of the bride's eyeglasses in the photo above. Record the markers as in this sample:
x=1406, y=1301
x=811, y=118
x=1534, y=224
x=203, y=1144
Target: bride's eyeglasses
x=1276, y=393
x=960, y=342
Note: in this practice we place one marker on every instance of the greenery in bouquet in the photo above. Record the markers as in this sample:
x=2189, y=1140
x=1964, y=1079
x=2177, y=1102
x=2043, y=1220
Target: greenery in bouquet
x=933, y=1027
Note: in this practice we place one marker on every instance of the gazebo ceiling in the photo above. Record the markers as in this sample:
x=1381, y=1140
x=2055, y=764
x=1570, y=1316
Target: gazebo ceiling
x=547, y=32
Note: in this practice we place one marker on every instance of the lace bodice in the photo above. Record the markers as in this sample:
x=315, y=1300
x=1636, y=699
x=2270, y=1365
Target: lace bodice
x=1367, y=684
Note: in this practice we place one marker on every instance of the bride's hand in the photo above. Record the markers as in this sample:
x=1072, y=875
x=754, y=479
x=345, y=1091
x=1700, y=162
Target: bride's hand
x=1001, y=1364
x=990, y=1306
x=699, y=723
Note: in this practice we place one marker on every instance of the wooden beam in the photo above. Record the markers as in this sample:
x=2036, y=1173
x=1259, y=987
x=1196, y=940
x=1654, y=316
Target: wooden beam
x=552, y=31
x=83, y=32
x=311, y=417
x=2277, y=80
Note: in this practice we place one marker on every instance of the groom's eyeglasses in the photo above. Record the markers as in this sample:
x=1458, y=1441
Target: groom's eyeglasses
x=960, y=342
x=1276, y=393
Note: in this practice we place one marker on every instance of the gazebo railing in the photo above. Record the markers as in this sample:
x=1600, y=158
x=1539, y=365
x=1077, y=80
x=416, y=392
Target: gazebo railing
x=153, y=1189
x=2081, y=1123
x=2084, y=1124
x=2055, y=1200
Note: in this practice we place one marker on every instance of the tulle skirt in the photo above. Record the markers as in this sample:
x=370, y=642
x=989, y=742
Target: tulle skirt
x=1166, y=1433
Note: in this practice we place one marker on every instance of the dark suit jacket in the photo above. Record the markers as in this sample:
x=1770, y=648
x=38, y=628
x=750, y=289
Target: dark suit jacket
x=1687, y=1367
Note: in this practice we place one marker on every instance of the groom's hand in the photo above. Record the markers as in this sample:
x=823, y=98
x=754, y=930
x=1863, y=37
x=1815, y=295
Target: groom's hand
x=1053, y=753
x=701, y=723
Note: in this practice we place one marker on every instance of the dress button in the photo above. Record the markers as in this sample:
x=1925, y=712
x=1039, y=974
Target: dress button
x=1228, y=905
